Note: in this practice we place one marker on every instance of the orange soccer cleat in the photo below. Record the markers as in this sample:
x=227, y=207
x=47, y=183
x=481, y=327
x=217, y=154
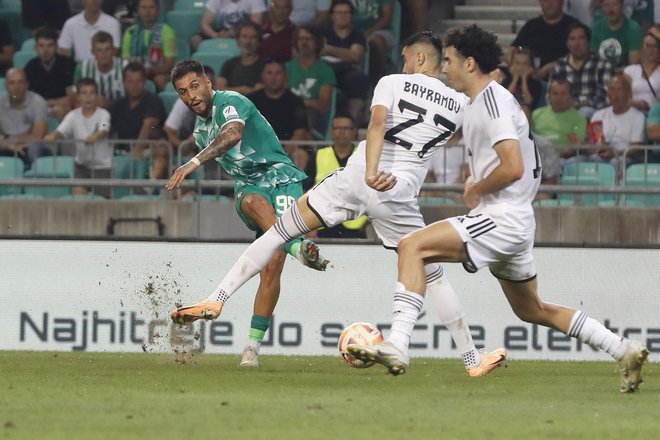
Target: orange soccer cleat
x=201, y=310
x=489, y=361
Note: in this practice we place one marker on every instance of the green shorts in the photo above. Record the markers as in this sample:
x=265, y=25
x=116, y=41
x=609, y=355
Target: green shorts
x=279, y=197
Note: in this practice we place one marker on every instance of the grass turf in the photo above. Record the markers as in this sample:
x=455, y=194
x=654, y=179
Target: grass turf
x=104, y=395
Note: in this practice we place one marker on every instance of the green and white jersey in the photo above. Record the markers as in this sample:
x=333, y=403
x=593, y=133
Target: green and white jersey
x=110, y=83
x=258, y=159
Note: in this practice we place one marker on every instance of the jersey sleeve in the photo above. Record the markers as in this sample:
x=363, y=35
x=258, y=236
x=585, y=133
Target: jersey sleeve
x=500, y=116
x=235, y=108
x=66, y=38
x=382, y=93
x=66, y=126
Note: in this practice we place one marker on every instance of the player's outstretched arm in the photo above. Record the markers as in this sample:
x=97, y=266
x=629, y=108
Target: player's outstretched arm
x=229, y=136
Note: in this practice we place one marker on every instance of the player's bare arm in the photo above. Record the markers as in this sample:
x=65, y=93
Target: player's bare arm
x=229, y=136
x=375, y=178
x=510, y=169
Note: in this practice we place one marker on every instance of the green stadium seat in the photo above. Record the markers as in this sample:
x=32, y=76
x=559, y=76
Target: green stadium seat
x=185, y=23
x=189, y=5
x=191, y=197
x=588, y=174
x=182, y=49
x=22, y=197
x=643, y=175
x=436, y=201
x=50, y=167
x=213, y=60
x=22, y=57
x=28, y=45
x=2, y=86
x=127, y=167
x=554, y=202
x=150, y=86
x=11, y=168
x=141, y=197
x=53, y=123
x=168, y=98
x=226, y=46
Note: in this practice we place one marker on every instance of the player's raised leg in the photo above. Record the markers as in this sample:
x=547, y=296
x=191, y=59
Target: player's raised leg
x=527, y=305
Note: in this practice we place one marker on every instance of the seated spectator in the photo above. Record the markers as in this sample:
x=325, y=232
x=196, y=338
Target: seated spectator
x=76, y=37
x=309, y=77
x=374, y=18
x=344, y=50
x=44, y=13
x=615, y=36
x=310, y=13
x=6, y=48
x=50, y=75
x=587, y=72
x=151, y=43
x=242, y=73
x=521, y=82
x=139, y=116
x=328, y=159
x=559, y=123
x=285, y=111
x=653, y=133
x=23, y=119
x=545, y=36
x=89, y=124
x=278, y=32
x=105, y=68
x=229, y=13
x=623, y=125
x=645, y=76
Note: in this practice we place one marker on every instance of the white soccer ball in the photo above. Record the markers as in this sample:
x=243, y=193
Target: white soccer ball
x=362, y=333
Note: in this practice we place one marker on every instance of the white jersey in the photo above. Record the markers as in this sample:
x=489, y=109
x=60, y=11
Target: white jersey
x=493, y=116
x=423, y=113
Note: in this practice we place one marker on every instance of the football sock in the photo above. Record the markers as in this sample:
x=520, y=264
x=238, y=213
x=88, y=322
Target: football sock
x=405, y=311
x=450, y=311
x=594, y=333
x=258, y=326
x=256, y=256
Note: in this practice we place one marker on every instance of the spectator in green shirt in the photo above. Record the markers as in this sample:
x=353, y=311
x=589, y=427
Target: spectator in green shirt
x=150, y=43
x=616, y=37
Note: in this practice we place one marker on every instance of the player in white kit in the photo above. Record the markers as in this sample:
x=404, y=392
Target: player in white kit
x=499, y=230
x=413, y=114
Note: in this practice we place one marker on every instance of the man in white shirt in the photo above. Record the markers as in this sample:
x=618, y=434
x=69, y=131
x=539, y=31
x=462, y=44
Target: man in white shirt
x=413, y=114
x=78, y=31
x=498, y=233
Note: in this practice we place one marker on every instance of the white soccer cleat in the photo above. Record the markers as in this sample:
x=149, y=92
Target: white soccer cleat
x=385, y=354
x=250, y=357
x=630, y=366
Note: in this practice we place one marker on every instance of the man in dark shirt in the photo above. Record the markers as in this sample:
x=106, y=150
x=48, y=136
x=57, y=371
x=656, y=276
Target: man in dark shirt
x=139, y=116
x=285, y=111
x=242, y=73
x=50, y=74
x=6, y=48
x=545, y=36
x=278, y=32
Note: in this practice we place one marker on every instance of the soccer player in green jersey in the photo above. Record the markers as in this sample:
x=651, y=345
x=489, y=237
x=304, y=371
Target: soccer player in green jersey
x=231, y=130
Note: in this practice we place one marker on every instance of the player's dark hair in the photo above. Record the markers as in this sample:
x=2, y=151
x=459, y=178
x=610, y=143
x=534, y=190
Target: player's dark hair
x=184, y=67
x=45, y=33
x=426, y=37
x=579, y=25
x=473, y=41
x=208, y=71
x=82, y=82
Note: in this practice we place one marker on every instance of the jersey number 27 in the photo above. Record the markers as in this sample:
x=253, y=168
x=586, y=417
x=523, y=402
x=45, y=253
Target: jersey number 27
x=392, y=135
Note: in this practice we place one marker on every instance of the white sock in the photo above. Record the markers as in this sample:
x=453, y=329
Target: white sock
x=405, y=311
x=256, y=256
x=592, y=332
x=450, y=311
x=254, y=344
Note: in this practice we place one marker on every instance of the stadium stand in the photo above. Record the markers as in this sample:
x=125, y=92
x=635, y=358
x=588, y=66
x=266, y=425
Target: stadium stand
x=587, y=173
x=643, y=175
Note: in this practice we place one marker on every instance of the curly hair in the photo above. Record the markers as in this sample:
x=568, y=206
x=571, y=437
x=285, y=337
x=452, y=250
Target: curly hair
x=473, y=41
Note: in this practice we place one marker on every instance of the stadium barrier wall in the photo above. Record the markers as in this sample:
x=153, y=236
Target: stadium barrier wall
x=116, y=297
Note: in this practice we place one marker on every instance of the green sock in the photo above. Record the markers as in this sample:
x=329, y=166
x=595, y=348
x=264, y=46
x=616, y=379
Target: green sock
x=292, y=247
x=258, y=327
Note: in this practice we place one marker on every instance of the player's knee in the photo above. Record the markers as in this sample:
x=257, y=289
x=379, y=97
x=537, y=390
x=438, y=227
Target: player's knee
x=251, y=202
x=408, y=246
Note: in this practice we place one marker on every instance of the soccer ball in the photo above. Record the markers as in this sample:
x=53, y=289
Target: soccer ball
x=358, y=333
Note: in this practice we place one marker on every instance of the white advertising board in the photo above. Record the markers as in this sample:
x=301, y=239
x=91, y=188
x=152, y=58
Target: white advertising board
x=116, y=296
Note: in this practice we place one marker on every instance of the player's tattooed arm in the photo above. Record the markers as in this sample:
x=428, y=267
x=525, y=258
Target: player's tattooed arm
x=229, y=136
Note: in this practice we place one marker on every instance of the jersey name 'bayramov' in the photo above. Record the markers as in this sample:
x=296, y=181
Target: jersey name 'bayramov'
x=432, y=95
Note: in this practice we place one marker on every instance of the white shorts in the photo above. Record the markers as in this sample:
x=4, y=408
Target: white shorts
x=343, y=195
x=506, y=252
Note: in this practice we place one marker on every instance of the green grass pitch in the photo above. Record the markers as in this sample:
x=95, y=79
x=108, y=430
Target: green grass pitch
x=121, y=396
